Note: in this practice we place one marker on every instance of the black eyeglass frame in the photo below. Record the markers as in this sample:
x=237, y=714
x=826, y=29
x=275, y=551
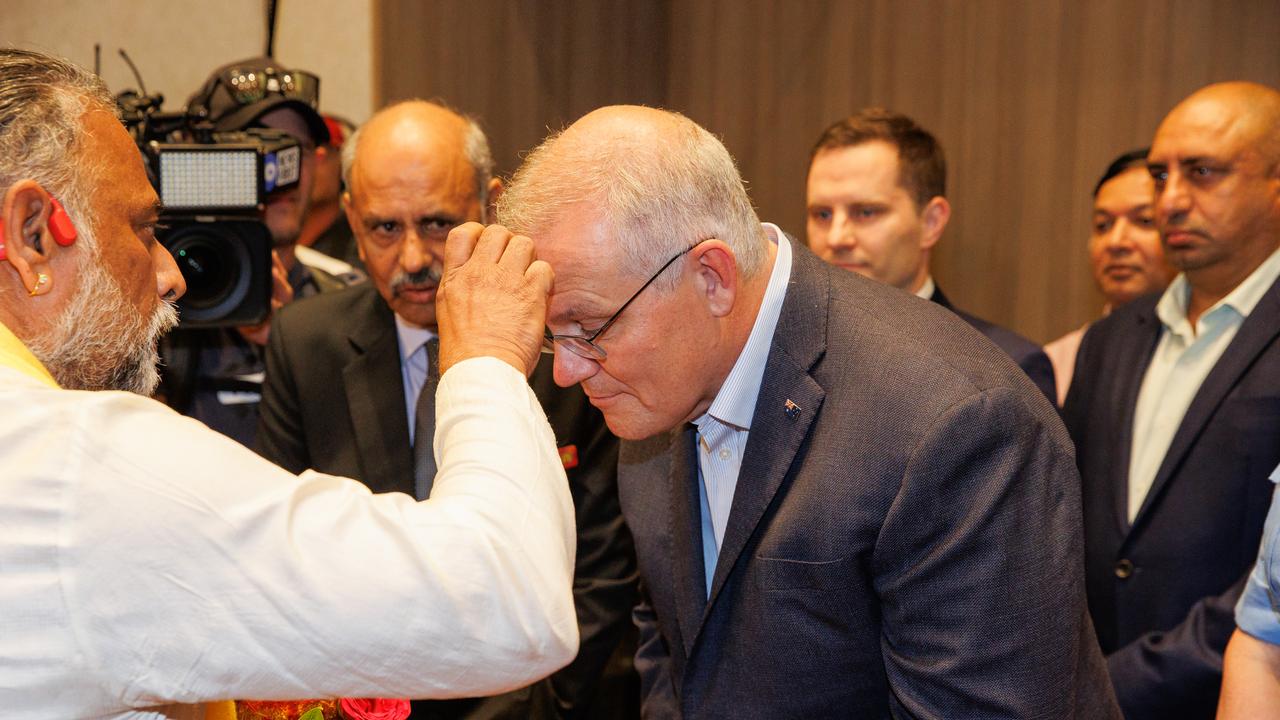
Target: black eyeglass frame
x=586, y=347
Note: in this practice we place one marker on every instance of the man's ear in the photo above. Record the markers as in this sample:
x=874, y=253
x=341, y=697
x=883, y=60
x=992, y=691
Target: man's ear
x=717, y=272
x=27, y=245
x=495, y=192
x=935, y=215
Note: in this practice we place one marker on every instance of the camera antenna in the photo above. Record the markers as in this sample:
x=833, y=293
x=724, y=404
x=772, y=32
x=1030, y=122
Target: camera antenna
x=136, y=75
x=271, y=28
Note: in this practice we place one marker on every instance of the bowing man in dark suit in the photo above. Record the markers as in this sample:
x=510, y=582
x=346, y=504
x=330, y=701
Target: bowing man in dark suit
x=876, y=205
x=846, y=502
x=350, y=378
x=1175, y=409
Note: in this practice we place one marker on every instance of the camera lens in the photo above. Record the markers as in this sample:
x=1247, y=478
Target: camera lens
x=215, y=267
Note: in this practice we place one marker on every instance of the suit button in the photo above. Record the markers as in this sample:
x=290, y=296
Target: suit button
x=1124, y=569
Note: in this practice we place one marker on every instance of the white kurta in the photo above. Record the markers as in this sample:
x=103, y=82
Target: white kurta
x=147, y=560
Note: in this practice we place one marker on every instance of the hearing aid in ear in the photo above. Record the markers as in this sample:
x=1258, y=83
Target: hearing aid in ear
x=60, y=225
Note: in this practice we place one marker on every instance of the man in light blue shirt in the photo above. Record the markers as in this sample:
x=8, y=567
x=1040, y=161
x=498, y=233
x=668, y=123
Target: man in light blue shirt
x=1251, y=672
x=846, y=502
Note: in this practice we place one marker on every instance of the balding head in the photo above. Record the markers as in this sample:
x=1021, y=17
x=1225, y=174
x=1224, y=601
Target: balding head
x=1240, y=112
x=654, y=179
x=419, y=125
x=660, y=262
x=413, y=172
x=1216, y=164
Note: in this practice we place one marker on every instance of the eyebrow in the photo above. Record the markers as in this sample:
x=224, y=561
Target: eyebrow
x=578, y=313
x=443, y=217
x=1193, y=160
x=372, y=219
x=149, y=211
x=1105, y=211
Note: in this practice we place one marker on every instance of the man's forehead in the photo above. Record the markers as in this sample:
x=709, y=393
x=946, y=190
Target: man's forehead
x=384, y=164
x=379, y=193
x=1131, y=187
x=118, y=156
x=874, y=160
x=585, y=263
x=1207, y=127
x=580, y=297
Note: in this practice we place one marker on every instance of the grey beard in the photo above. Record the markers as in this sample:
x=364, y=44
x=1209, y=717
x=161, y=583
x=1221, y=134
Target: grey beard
x=99, y=342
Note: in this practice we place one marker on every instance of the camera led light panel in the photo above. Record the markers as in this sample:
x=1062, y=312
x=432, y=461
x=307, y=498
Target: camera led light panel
x=209, y=179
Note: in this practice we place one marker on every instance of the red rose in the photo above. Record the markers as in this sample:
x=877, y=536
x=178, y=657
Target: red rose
x=373, y=709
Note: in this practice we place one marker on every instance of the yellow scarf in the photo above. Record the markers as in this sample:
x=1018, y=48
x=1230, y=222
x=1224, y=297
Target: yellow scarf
x=220, y=710
x=13, y=354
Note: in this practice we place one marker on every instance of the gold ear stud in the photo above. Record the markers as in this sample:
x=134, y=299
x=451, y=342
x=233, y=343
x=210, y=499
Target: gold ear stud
x=41, y=281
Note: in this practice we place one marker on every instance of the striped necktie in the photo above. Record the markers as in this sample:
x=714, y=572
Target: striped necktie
x=424, y=423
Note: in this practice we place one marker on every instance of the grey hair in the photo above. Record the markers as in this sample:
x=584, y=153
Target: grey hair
x=42, y=102
x=655, y=195
x=475, y=147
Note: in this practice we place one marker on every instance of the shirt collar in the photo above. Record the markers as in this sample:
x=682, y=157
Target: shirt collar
x=1172, y=306
x=411, y=338
x=299, y=275
x=735, y=403
x=926, y=290
x=15, y=355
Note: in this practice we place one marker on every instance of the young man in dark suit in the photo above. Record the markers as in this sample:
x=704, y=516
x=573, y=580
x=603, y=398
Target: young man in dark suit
x=350, y=377
x=1175, y=409
x=845, y=502
x=876, y=202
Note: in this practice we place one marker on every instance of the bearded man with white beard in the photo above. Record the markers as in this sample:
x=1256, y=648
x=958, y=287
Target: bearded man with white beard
x=150, y=566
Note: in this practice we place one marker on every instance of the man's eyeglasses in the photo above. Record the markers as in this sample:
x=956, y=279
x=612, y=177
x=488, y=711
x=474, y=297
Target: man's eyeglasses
x=249, y=85
x=585, y=346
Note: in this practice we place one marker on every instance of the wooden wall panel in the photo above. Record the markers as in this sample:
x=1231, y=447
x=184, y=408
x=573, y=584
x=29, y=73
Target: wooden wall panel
x=521, y=67
x=1030, y=98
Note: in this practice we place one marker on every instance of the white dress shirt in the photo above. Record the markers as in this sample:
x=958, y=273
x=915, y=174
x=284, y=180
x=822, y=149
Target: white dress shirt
x=1183, y=358
x=723, y=429
x=147, y=560
x=926, y=290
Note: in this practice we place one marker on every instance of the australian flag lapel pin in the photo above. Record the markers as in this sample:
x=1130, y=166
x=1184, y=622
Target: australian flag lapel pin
x=792, y=410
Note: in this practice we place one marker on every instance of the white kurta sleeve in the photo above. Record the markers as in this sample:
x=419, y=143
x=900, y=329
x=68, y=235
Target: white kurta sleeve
x=193, y=570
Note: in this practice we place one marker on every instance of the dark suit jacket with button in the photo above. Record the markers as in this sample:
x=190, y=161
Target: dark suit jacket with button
x=1162, y=592
x=908, y=543
x=1029, y=356
x=334, y=401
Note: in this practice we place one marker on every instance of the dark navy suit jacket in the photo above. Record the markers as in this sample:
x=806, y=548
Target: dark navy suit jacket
x=905, y=541
x=1029, y=356
x=1162, y=591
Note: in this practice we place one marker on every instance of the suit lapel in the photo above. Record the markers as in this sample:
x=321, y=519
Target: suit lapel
x=776, y=434
x=375, y=400
x=941, y=299
x=686, y=535
x=1255, y=334
x=1131, y=364
x=772, y=444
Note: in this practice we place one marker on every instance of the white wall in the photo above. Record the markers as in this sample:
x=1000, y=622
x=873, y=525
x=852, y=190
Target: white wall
x=176, y=43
